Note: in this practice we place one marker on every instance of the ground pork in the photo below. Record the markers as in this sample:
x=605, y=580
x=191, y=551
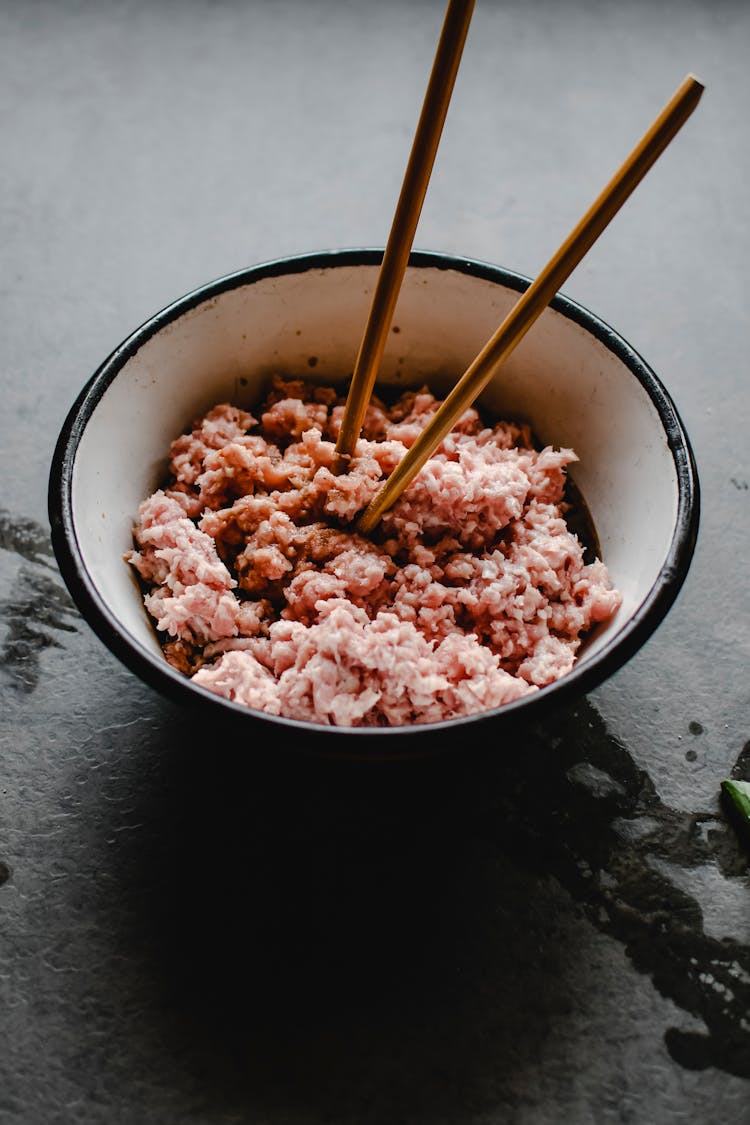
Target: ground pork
x=472, y=591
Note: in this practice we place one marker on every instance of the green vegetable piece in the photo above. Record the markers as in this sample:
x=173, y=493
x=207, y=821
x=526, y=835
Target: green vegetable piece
x=737, y=799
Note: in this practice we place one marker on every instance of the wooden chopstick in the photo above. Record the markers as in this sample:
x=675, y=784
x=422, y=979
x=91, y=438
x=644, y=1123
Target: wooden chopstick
x=413, y=190
x=537, y=296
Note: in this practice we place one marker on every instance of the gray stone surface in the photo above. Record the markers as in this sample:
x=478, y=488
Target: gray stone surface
x=557, y=933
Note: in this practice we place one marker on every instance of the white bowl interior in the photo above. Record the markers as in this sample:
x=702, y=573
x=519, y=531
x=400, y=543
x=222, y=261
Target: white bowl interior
x=569, y=385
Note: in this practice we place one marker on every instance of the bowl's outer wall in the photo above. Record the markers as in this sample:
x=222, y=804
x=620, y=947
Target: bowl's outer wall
x=572, y=376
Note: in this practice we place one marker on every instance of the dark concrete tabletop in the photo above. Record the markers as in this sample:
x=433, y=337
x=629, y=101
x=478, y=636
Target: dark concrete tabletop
x=190, y=934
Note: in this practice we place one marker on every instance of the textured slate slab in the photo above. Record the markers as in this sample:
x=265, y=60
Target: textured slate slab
x=554, y=931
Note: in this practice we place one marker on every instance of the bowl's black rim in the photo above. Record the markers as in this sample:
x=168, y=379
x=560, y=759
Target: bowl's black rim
x=161, y=676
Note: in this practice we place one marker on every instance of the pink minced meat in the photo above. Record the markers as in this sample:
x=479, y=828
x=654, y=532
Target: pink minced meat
x=471, y=593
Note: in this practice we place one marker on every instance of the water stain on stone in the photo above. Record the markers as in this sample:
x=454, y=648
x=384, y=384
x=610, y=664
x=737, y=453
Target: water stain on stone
x=741, y=768
x=695, y=727
x=580, y=809
x=38, y=607
x=26, y=538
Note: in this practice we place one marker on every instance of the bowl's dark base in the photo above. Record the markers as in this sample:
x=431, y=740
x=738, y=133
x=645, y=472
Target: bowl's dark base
x=213, y=727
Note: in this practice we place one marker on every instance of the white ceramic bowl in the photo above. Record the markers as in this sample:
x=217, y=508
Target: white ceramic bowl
x=573, y=377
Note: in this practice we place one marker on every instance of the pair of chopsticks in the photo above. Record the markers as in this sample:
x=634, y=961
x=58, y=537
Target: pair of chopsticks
x=529, y=306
